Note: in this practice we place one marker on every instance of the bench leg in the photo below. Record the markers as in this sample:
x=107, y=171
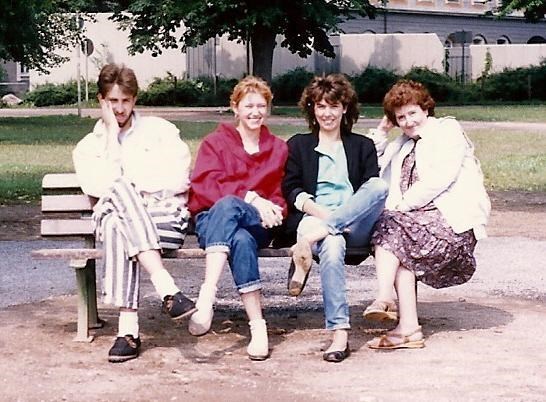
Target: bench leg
x=82, y=334
x=94, y=321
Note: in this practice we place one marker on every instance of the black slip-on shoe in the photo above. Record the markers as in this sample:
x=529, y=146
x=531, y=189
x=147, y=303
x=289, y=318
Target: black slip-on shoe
x=125, y=348
x=178, y=306
x=337, y=356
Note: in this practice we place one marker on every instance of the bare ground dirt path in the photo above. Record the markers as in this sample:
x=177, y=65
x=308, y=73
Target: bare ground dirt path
x=483, y=339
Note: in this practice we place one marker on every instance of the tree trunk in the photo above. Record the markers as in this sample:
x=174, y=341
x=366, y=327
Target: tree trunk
x=263, y=43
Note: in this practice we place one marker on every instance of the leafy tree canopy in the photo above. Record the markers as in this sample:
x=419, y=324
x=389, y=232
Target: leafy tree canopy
x=533, y=10
x=305, y=24
x=31, y=30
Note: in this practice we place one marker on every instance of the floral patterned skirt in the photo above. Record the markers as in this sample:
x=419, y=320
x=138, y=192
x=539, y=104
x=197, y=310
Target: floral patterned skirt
x=425, y=243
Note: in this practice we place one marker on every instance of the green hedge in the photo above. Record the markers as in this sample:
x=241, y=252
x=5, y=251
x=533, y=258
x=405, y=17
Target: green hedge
x=287, y=87
x=59, y=94
x=510, y=85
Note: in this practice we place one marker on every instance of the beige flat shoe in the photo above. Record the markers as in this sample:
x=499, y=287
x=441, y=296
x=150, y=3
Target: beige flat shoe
x=302, y=259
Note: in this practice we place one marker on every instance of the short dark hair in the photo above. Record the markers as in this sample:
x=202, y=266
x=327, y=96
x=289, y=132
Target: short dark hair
x=112, y=74
x=406, y=92
x=333, y=88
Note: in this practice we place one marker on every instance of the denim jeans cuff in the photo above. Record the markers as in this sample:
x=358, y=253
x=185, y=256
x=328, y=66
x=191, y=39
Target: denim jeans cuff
x=333, y=230
x=345, y=325
x=217, y=248
x=250, y=287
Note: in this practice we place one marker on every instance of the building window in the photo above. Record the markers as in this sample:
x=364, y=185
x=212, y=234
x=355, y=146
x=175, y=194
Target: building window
x=22, y=72
x=479, y=40
x=503, y=40
x=536, y=39
x=457, y=2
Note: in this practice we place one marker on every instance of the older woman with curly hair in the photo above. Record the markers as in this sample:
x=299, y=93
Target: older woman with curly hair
x=436, y=210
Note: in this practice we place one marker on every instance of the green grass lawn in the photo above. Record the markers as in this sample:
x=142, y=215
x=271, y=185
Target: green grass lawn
x=527, y=113
x=31, y=147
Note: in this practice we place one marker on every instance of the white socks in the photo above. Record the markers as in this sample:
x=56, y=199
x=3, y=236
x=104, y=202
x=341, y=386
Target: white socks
x=201, y=320
x=258, y=348
x=163, y=283
x=128, y=323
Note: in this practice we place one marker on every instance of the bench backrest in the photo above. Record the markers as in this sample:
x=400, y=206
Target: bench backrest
x=66, y=212
x=66, y=209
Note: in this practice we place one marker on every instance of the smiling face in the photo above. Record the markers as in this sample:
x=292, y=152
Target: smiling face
x=411, y=118
x=329, y=115
x=251, y=112
x=122, y=105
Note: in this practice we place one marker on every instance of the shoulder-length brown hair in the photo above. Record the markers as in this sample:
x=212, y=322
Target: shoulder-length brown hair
x=112, y=74
x=407, y=92
x=333, y=88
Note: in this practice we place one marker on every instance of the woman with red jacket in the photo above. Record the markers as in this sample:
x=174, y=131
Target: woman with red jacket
x=236, y=201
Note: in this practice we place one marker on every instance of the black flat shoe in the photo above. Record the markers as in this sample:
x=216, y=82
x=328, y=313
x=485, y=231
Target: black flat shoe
x=337, y=356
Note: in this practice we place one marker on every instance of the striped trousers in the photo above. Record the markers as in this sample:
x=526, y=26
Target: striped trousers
x=127, y=225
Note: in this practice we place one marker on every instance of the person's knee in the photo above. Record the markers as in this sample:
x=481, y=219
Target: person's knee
x=309, y=224
x=378, y=186
x=226, y=203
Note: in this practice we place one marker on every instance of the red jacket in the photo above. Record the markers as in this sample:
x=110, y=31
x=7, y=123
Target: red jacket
x=223, y=167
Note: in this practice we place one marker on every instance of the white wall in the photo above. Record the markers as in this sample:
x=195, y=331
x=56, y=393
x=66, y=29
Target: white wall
x=396, y=52
x=111, y=45
x=506, y=56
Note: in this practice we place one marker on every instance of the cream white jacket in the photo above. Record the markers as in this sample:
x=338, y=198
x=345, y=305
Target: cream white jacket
x=151, y=155
x=449, y=174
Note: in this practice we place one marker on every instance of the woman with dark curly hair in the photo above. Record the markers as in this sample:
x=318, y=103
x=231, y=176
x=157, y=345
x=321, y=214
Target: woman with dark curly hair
x=436, y=210
x=334, y=197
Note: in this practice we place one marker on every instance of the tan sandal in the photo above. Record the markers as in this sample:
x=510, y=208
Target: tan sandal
x=381, y=310
x=395, y=340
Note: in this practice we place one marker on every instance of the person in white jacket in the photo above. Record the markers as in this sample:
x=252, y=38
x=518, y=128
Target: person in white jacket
x=138, y=168
x=436, y=210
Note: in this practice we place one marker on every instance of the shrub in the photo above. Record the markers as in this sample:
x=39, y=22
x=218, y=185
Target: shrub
x=287, y=87
x=441, y=86
x=373, y=83
x=59, y=94
x=523, y=83
x=171, y=91
x=224, y=87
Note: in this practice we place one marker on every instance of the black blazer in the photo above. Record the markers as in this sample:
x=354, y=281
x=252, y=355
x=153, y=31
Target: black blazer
x=301, y=172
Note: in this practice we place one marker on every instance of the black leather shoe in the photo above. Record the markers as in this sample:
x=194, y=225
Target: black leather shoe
x=125, y=348
x=337, y=356
x=178, y=306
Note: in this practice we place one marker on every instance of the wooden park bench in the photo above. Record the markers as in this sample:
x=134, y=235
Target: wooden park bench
x=67, y=215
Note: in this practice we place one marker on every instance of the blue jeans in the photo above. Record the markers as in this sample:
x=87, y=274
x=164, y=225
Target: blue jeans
x=350, y=225
x=234, y=227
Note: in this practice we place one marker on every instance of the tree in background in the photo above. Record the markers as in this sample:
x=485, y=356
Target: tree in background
x=31, y=31
x=533, y=10
x=304, y=24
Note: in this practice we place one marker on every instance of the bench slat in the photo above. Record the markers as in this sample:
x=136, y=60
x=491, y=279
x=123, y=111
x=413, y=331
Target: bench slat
x=60, y=181
x=90, y=253
x=87, y=253
x=67, y=203
x=67, y=227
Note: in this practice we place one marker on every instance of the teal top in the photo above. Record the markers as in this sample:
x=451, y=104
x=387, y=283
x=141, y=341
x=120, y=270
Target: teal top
x=333, y=185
